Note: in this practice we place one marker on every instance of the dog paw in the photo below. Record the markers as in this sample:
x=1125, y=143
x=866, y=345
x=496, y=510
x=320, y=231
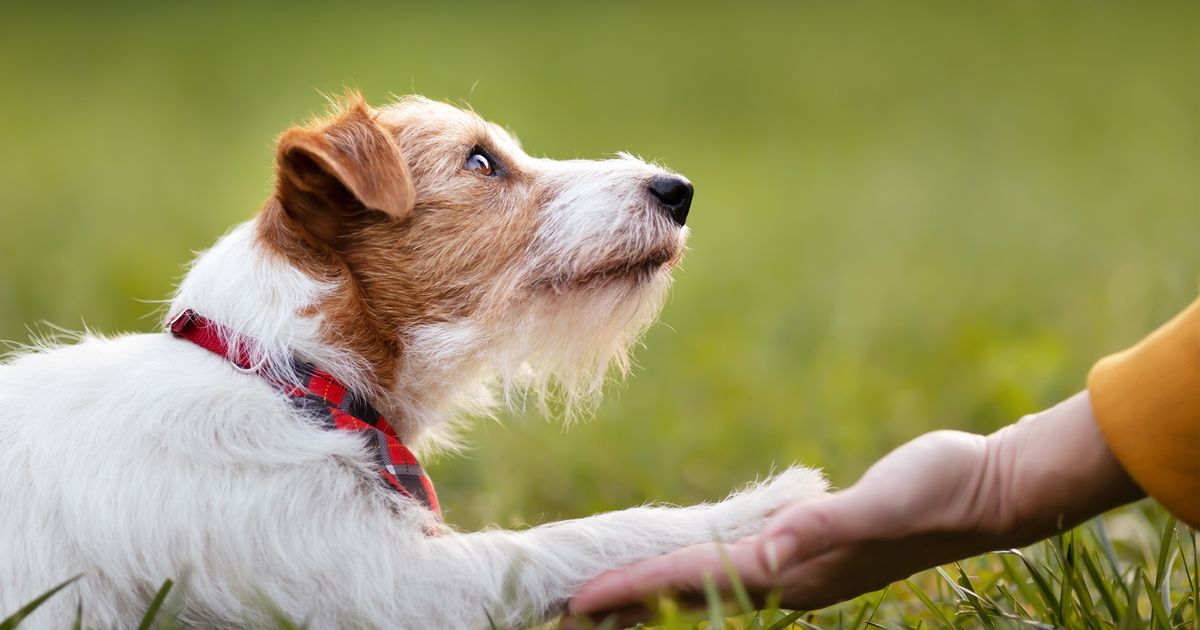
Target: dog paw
x=746, y=511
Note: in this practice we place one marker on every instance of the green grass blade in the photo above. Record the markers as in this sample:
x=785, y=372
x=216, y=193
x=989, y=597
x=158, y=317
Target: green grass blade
x=1194, y=576
x=16, y=618
x=808, y=626
x=1016, y=578
x=1110, y=552
x=735, y=582
x=878, y=602
x=787, y=620
x=1158, y=615
x=1164, y=545
x=152, y=611
x=716, y=612
x=1183, y=557
x=1074, y=585
x=1164, y=589
x=1066, y=559
x=928, y=602
x=859, y=616
x=1102, y=586
x=1178, y=614
x=1087, y=608
x=1132, y=620
x=1049, y=600
x=774, y=598
x=983, y=608
x=1017, y=609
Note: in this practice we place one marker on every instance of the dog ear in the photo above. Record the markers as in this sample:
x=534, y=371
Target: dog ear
x=334, y=172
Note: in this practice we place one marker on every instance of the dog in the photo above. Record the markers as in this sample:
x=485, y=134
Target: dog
x=412, y=267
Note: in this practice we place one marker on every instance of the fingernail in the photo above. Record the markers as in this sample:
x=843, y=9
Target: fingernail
x=771, y=555
x=778, y=548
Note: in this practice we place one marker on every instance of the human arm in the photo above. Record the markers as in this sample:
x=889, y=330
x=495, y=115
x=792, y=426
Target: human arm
x=942, y=496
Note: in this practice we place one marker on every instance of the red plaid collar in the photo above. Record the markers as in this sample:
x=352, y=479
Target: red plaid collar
x=326, y=399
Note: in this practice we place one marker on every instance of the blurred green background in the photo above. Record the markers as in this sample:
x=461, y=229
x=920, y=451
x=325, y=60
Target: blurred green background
x=909, y=215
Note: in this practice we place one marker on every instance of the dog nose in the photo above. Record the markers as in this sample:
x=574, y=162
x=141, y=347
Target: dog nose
x=675, y=195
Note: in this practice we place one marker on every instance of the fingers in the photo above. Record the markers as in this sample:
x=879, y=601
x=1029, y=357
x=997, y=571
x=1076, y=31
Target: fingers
x=793, y=536
x=809, y=529
x=681, y=571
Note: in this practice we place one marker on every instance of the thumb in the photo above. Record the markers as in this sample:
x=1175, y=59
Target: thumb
x=811, y=528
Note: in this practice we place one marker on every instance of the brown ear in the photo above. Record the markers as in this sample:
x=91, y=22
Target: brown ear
x=333, y=172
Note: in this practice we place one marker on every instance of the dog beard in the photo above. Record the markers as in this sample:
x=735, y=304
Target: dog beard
x=565, y=344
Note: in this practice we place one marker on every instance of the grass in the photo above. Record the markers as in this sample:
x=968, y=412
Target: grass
x=909, y=216
x=1147, y=577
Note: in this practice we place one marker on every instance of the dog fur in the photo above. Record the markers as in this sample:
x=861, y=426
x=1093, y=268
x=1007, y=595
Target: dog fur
x=438, y=290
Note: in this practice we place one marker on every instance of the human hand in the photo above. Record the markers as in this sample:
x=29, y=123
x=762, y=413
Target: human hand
x=942, y=496
x=830, y=548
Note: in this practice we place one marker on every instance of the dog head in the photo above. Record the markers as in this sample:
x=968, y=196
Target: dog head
x=453, y=254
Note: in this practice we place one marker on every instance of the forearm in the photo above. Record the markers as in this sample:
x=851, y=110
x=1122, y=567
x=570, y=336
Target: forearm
x=1053, y=470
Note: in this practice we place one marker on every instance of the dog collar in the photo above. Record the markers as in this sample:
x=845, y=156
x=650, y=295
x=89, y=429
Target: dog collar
x=323, y=397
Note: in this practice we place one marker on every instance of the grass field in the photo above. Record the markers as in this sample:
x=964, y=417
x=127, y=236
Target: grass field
x=909, y=216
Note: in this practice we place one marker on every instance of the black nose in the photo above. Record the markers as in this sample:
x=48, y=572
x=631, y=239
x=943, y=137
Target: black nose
x=675, y=195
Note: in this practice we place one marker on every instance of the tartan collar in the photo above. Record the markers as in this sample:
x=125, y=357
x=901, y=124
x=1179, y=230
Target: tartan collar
x=322, y=396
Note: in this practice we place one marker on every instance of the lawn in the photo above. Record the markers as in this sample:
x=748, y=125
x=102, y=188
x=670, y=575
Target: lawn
x=909, y=216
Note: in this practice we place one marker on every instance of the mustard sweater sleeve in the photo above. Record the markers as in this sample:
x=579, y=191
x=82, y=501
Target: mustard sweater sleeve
x=1147, y=401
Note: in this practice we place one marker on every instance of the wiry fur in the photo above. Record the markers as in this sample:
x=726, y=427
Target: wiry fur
x=433, y=288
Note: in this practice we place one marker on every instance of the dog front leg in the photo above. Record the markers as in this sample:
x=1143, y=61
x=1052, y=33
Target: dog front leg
x=513, y=578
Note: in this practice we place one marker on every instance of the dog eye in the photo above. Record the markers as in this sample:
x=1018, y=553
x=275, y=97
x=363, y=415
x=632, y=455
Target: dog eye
x=479, y=163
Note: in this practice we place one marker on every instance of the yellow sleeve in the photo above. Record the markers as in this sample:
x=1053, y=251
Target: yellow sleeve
x=1147, y=400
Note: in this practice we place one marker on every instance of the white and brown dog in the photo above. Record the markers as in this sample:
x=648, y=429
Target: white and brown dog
x=411, y=264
